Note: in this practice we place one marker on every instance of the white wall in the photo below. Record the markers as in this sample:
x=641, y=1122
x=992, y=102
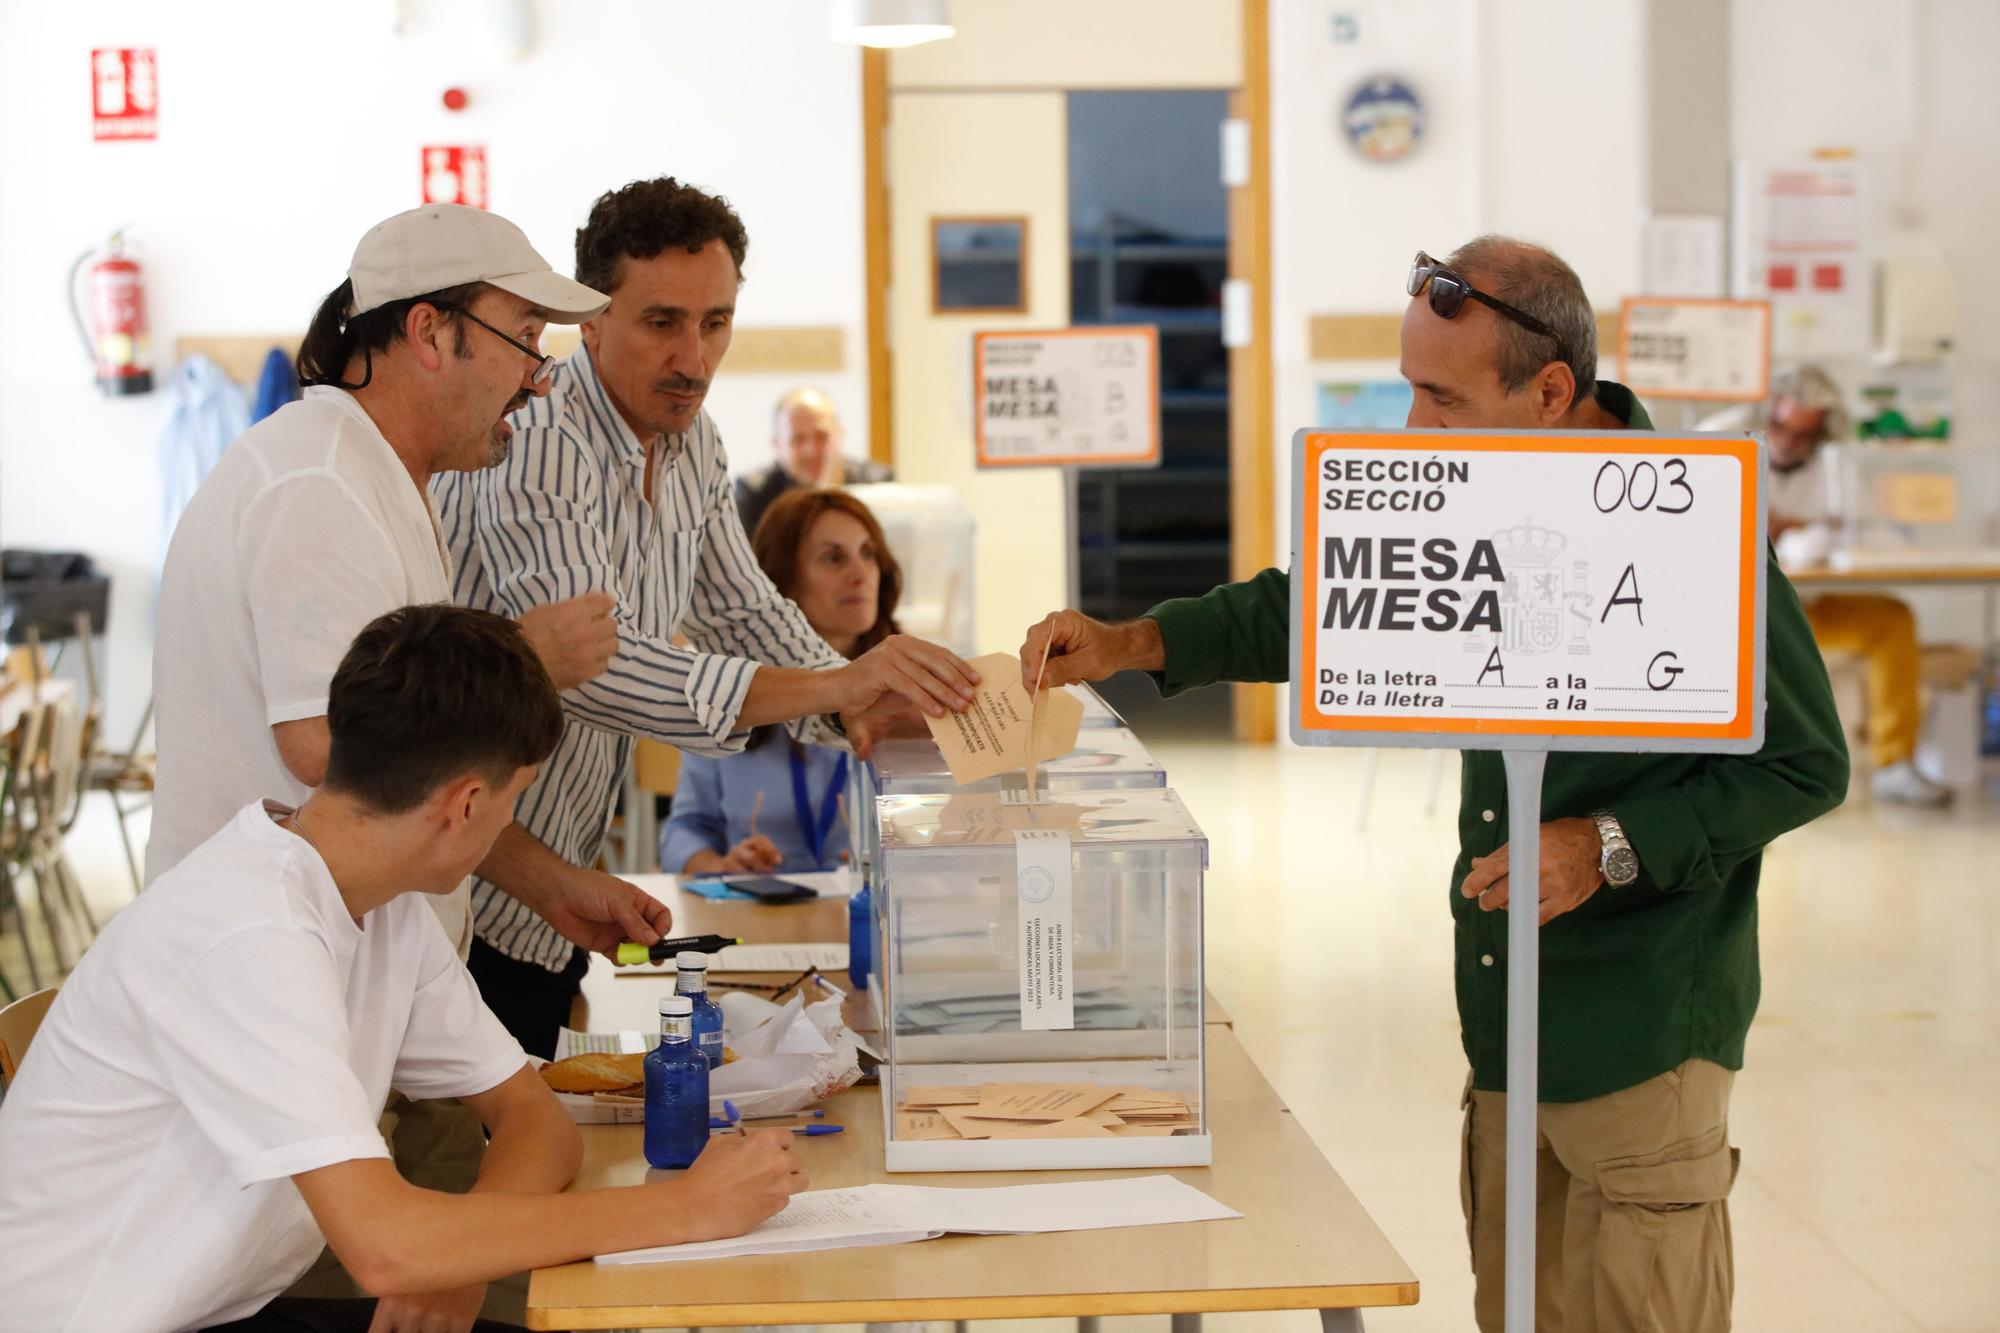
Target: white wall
x=1536, y=129
x=1909, y=85
x=287, y=130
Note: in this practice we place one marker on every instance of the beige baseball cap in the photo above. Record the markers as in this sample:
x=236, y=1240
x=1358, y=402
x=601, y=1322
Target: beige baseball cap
x=445, y=245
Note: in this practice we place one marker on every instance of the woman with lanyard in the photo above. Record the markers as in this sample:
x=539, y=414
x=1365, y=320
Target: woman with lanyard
x=779, y=805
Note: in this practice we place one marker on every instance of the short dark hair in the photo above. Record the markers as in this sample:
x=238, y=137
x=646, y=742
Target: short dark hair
x=640, y=220
x=1538, y=281
x=428, y=694
x=333, y=337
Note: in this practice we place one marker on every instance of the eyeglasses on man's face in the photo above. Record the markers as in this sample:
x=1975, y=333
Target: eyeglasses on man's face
x=545, y=366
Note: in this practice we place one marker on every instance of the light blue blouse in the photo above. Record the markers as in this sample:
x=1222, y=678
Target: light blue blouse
x=714, y=798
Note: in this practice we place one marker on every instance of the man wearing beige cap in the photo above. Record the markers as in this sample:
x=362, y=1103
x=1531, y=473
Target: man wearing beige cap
x=319, y=519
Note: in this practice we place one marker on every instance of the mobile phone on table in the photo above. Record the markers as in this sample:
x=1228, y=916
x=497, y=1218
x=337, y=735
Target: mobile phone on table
x=774, y=890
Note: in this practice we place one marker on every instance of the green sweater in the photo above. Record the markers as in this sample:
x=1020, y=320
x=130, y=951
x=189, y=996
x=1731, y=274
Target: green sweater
x=1637, y=979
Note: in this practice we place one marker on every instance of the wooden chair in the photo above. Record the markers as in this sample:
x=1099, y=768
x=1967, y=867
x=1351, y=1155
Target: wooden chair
x=654, y=771
x=18, y=1023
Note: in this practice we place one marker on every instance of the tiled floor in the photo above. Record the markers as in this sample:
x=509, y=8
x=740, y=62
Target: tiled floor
x=1870, y=1192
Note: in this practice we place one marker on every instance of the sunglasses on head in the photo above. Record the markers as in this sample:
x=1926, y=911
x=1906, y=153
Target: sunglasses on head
x=1448, y=292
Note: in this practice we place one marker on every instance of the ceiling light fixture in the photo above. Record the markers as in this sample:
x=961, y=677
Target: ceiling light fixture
x=889, y=23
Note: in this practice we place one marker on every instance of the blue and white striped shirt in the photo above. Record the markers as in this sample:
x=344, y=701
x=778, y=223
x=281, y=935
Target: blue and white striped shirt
x=567, y=514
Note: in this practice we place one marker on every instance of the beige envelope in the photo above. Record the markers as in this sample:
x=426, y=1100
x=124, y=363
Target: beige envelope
x=1001, y=731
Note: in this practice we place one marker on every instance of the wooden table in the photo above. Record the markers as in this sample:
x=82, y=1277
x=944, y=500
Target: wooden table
x=1303, y=1242
x=1941, y=575
x=614, y=999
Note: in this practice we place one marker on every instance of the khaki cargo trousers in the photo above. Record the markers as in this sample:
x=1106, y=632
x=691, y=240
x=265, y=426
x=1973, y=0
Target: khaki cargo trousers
x=1632, y=1210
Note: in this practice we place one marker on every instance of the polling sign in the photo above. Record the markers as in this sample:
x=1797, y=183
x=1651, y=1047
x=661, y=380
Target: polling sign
x=1568, y=590
x=1079, y=397
x=1704, y=350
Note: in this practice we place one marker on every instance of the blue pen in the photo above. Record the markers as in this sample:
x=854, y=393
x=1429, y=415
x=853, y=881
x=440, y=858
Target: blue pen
x=814, y=1131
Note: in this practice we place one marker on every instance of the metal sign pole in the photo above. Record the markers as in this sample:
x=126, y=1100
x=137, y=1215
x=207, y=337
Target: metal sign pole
x=1524, y=1014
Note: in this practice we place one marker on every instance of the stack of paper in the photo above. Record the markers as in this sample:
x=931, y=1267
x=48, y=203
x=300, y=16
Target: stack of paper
x=893, y=1214
x=1039, y=1111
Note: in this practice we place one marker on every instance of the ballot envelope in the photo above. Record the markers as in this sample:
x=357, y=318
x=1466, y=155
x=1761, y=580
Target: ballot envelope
x=1038, y=973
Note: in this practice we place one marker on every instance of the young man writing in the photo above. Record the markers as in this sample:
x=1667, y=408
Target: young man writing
x=199, y=1109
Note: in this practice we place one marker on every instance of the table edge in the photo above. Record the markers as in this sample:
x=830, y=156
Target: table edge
x=1260, y=1299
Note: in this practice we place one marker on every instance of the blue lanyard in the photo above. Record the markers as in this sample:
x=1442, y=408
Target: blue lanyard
x=816, y=827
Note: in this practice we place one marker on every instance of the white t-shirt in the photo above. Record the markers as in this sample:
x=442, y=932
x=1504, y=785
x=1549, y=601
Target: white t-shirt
x=230, y=1029
x=309, y=528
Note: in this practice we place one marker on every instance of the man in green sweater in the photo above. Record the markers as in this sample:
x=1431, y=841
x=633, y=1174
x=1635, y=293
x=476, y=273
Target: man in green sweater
x=1649, y=984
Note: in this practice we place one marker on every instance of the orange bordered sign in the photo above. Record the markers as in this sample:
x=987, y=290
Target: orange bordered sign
x=1695, y=348
x=1077, y=397
x=1518, y=590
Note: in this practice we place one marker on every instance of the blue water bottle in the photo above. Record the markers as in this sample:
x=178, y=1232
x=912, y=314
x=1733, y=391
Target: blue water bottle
x=693, y=983
x=860, y=937
x=676, y=1090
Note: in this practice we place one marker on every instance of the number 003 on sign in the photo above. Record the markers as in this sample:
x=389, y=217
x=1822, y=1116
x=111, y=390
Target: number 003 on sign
x=1597, y=589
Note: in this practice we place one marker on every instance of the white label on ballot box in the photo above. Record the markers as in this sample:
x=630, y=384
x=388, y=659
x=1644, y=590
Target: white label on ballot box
x=1042, y=882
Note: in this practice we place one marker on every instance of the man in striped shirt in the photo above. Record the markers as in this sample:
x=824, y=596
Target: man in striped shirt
x=618, y=483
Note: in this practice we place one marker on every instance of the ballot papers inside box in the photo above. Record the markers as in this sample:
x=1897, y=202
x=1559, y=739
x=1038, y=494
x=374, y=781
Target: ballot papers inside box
x=1039, y=977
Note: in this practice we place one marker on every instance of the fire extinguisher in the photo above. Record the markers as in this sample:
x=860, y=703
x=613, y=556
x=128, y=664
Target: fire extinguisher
x=115, y=339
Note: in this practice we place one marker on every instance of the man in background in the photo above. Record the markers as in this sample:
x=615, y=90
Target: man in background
x=1803, y=412
x=806, y=436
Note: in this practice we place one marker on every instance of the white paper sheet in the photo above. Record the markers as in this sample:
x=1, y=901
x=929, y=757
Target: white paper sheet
x=827, y=957
x=815, y=1220
x=894, y=1214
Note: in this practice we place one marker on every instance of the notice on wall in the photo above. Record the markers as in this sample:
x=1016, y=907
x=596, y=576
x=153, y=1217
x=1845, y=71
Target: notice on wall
x=1042, y=887
x=124, y=94
x=1574, y=590
x=455, y=174
x=1082, y=397
x=1800, y=242
x=1718, y=351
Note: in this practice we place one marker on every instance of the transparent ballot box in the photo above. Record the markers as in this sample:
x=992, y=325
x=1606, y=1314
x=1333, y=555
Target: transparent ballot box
x=1039, y=979
x=1097, y=714
x=1105, y=758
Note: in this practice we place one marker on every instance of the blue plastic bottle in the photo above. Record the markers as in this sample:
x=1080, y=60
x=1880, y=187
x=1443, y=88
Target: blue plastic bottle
x=693, y=983
x=676, y=1090
x=860, y=938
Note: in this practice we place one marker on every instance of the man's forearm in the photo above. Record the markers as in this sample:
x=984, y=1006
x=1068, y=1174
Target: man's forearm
x=522, y=866
x=780, y=694
x=420, y=1240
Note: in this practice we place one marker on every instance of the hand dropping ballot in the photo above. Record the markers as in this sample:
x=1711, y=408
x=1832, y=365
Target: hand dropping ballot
x=1004, y=730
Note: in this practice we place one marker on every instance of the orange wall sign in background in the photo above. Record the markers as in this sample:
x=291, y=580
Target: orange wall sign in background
x=1573, y=590
x=1078, y=397
x=1705, y=350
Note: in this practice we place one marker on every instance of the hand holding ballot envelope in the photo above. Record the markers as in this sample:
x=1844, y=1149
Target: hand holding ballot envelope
x=1066, y=647
x=1006, y=728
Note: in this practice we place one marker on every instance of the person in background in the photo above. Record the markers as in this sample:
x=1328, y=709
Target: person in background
x=197, y=1114
x=1649, y=971
x=1803, y=412
x=778, y=805
x=806, y=435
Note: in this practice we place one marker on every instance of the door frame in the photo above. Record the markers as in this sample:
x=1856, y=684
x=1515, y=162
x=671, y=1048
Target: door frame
x=1252, y=444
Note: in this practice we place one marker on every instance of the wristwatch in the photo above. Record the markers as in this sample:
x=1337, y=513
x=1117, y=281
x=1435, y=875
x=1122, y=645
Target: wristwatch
x=1619, y=863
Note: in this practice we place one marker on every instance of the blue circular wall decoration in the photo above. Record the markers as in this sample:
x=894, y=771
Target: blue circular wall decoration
x=1384, y=119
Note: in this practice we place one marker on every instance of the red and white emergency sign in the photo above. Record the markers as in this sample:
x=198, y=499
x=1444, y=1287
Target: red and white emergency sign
x=455, y=174
x=124, y=94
